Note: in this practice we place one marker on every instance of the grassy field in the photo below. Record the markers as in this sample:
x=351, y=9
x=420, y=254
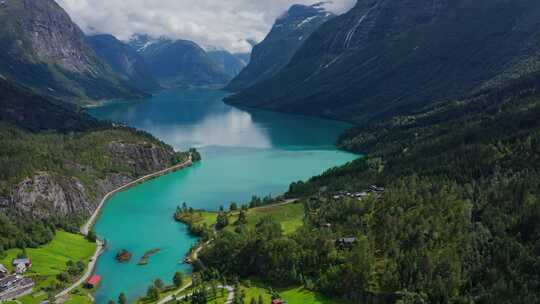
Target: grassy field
x=290, y=216
x=50, y=260
x=296, y=295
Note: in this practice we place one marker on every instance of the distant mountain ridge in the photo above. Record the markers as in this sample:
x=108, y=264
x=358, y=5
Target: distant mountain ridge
x=232, y=64
x=43, y=49
x=276, y=50
x=387, y=57
x=179, y=62
x=124, y=60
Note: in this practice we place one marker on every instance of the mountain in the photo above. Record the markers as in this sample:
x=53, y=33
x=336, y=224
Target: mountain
x=139, y=42
x=467, y=171
x=43, y=49
x=245, y=58
x=232, y=64
x=276, y=50
x=388, y=57
x=124, y=60
x=27, y=110
x=179, y=62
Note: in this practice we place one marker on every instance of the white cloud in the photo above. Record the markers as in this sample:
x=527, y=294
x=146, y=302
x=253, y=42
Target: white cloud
x=223, y=24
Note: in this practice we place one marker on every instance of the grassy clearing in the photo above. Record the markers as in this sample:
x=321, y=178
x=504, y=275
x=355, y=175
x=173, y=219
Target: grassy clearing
x=290, y=216
x=301, y=295
x=295, y=295
x=50, y=260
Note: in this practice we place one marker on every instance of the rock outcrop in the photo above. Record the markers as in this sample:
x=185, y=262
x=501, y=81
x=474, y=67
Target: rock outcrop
x=47, y=195
x=141, y=158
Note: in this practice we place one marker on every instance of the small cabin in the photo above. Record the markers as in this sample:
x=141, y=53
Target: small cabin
x=26, y=262
x=20, y=268
x=346, y=242
x=93, y=281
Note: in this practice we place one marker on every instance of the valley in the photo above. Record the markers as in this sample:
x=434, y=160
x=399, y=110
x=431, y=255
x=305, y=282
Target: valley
x=244, y=154
x=370, y=151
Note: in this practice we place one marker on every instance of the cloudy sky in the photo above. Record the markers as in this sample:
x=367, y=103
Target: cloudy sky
x=222, y=24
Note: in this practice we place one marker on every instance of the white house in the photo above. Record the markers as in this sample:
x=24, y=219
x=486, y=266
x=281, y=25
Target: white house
x=20, y=268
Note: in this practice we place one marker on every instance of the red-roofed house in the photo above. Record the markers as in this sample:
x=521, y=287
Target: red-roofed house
x=278, y=301
x=93, y=281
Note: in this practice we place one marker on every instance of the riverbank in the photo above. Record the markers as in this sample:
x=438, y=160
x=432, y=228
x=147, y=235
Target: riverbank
x=88, y=225
x=91, y=221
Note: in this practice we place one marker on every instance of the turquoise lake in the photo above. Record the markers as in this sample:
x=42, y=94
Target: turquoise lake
x=245, y=153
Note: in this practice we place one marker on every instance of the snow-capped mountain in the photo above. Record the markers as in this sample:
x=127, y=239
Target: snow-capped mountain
x=276, y=50
x=125, y=61
x=179, y=62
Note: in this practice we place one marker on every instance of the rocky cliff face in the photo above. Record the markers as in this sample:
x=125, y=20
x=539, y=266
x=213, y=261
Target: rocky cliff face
x=43, y=49
x=46, y=195
x=54, y=39
x=141, y=159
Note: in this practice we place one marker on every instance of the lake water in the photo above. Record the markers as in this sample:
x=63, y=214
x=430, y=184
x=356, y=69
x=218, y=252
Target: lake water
x=245, y=153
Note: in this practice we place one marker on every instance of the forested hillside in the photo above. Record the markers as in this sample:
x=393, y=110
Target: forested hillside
x=387, y=57
x=21, y=107
x=57, y=162
x=458, y=221
x=50, y=180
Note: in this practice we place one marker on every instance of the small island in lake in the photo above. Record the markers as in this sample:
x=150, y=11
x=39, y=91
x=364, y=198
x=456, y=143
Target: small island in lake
x=123, y=256
x=144, y=259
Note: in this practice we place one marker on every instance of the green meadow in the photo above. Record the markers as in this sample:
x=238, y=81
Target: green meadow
x=50, y=260
x=290, y=216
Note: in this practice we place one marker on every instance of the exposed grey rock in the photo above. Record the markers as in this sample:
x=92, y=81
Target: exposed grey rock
x=44, y=195
x=141, y=158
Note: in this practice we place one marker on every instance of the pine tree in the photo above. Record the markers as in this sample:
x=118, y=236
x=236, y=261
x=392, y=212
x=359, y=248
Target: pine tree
x=122, y=299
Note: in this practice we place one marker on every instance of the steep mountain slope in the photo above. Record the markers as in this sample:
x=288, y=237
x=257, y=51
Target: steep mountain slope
x=276, y=50
x=125, y=61
x=179, y=62
x=23, y=108
x=43, y=49
x=232, y=64
x=387, y=56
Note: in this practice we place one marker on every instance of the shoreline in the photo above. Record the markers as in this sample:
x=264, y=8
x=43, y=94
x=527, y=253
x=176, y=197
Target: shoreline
x=100, y=248
x=91, y=221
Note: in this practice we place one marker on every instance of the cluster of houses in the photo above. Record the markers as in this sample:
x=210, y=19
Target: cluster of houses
x=373, y=189
x=15, y=285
